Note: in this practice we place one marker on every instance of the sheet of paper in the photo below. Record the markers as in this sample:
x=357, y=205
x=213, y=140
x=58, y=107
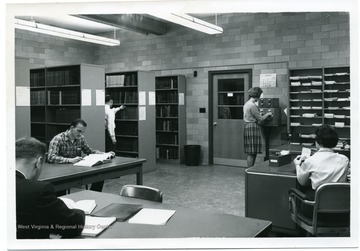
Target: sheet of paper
x=305, y=152
x=100, y=97
x=151, y=98
x=86, y=97
x=181, y=98
x=142, y=113
x=95, y=225
x=22, y=96
x=142, y=98
x=152, y=216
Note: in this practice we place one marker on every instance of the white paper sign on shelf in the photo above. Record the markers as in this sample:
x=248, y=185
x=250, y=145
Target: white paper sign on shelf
x=268, y=80
x=100, y=97
x=22, y=96
x=142, y=98
x=151, y=98
x=86, y=97
x=142, y=113
x=181, y=98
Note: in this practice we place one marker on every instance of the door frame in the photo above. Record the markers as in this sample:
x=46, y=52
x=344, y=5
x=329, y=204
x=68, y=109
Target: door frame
x=211, y=108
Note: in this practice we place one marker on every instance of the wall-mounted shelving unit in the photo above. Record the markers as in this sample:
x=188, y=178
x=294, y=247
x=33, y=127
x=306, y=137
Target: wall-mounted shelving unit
x=319, y=96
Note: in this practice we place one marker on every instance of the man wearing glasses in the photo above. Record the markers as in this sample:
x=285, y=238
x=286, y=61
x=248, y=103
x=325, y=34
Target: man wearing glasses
x=66, y=147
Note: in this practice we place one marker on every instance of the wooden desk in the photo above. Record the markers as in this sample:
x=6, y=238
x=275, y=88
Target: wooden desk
x=184, y=223
x=65, y=176
x=266, y=195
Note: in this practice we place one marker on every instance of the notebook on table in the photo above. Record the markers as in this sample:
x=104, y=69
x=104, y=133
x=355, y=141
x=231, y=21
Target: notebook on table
x=120, y=211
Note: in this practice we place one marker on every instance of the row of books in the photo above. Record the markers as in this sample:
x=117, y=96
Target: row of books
x=166, y=83
x=168, y=97
x=54, y=78
x=171, y=139
x=54, y=97
x=121, y=80
x=166, y=111
x=126, y=129
x=127, y=144
x=64, y=115
x=166, y=153
x=38, y=97
x=125, y=97
x=167, y=125
x=128, y=113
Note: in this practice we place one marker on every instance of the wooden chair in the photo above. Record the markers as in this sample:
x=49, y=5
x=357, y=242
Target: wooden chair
x=329, y=211
x=142, y=192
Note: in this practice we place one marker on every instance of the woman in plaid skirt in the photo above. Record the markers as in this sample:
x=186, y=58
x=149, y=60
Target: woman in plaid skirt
x=252, y=119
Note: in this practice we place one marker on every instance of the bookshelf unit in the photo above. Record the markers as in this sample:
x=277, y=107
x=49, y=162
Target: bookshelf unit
x=135, y=124
x=319, y=96
x=56, y=100
x=170, y=118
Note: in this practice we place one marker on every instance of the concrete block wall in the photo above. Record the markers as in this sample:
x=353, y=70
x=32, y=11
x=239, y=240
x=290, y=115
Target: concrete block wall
x=45, y=51
x=263, y=42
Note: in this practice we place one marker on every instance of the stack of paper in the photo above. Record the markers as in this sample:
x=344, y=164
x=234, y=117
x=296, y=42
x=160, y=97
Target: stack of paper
x=316, y=83
x=328, y=115
x=95, y=225
x=295, y=83
x=330, y=82
x=309, y=115
x=306, y=84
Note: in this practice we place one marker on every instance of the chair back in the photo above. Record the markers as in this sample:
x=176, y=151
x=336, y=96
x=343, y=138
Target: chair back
x=142, y=192
x=333, y=198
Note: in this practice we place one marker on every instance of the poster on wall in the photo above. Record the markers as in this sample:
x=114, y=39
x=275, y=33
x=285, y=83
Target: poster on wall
x=267, y=80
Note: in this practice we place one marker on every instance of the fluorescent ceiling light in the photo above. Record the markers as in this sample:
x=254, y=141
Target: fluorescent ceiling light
x=60, y=32
x=190, y=22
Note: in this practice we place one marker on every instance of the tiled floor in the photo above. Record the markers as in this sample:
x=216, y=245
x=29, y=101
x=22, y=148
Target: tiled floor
x=216, y=188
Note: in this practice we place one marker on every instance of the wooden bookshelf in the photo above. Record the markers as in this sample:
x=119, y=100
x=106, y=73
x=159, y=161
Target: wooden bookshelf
x=135, y=125
x=55, y=98
x=319, y=96
x=170, y=118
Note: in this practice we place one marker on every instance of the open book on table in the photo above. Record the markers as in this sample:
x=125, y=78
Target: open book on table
x=95, y=159
x=95, y=225
x=86, y=205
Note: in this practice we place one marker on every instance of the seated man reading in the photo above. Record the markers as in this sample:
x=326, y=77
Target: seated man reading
x=66, y=147
x=39, y=212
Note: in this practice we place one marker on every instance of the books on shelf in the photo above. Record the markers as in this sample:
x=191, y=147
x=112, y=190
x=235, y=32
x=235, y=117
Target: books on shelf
x=331, y=99
x=330, y=82
x=295, y=83
x=306, y=84
x=86, y=205
x=339, y=124
x=152, y=216
x=294, y=123
x=120, y=211
x=315, y=90
x=95, y=225
x=95, y=159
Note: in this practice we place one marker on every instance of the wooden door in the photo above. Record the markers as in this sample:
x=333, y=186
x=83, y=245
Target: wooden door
x=229, y=95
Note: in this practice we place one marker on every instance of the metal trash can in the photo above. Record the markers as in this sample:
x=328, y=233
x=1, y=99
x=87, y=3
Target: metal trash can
x=192, y=155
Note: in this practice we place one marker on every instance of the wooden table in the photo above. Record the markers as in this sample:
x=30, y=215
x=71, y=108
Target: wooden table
x=65, y=176
x=185, y=223
x=266, y=195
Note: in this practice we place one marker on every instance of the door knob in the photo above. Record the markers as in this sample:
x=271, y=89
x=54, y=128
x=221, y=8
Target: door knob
x=215, y=123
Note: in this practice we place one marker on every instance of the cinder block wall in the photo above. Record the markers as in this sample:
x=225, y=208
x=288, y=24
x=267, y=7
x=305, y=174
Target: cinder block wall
x=263, y=42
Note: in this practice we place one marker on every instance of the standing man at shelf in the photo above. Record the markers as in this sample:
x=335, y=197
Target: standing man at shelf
x=39, y=212
x=66, y=147
x=110, y=138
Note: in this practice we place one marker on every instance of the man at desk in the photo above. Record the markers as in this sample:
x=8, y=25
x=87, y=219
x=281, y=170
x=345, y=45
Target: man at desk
x=66, y=147
x=325, y=165
x=39, y=212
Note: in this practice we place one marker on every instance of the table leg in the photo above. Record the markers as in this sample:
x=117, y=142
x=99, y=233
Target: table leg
x=139, y=176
